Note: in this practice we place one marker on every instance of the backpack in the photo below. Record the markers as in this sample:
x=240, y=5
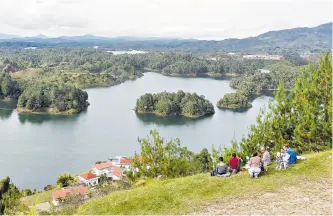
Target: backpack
x=222, y=169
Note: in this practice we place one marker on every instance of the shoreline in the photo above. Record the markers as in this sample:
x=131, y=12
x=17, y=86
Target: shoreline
x=49, y=111
x=161, y=114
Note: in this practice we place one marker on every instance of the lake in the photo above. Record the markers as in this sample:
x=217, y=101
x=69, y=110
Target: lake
x=35, y=149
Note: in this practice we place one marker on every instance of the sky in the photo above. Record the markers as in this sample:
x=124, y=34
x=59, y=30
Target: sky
x=200, y=19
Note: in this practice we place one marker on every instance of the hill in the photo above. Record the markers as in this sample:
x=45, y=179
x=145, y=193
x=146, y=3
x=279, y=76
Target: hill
x=317, y=39
x=293, y=188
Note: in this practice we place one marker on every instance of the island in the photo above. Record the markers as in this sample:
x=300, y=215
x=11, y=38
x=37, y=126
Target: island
x=52, y=98
x=169, y=104
x=234, y=101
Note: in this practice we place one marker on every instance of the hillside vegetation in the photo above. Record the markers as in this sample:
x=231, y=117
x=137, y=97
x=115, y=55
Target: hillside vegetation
x=234, y=101
x=53, y=98
x=180, y=103
x=195, y=193
x=8, y=87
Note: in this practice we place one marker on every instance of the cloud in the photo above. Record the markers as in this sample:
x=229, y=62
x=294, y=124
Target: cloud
x=166, y=18
x=43, y=15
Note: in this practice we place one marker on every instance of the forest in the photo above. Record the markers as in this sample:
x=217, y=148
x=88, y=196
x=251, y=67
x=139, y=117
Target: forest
x=255, y=82
x=55, y=98
x=86, y=68
x=9, y=88
x=122, y=67
x=180, y=103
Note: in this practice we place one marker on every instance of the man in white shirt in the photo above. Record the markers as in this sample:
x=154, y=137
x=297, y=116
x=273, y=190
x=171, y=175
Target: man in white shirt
x=266, y=157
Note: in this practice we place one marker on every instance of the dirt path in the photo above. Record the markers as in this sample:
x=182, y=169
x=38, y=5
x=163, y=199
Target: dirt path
x=304, y=199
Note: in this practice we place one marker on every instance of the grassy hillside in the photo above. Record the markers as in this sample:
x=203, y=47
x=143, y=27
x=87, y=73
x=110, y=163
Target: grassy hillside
x=192, y=194
x=44, y=196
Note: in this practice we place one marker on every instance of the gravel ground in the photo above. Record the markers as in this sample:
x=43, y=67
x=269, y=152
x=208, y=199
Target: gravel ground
x=307, y=198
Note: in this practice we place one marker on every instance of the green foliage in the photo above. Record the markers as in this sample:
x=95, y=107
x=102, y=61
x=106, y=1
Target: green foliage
x=65, y=179
x=179, y=103
x=26, y=192
x=166, y=158
x=234, y=101
x=8, y=87
x=103, y=179
x=60, y=98
x=10, y=197
x=204, y=160
x=301, y=117
x=187, y=195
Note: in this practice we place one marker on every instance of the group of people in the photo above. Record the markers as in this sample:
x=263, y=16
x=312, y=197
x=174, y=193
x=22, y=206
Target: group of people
x=256, y=164
x=222, y=169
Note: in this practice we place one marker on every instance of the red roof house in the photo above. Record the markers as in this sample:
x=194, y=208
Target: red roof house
x=124, y=161
x=117, y=173
x=88, y=176
x=103, y=165
x=64, y=192
x=89, y=179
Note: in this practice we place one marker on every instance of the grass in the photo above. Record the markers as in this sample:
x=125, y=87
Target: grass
x=190, y=194
x=44, y=196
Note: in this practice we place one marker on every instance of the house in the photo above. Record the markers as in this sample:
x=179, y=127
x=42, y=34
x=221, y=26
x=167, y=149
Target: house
x=263, y=71
x=89, y=179
x=61, y=195
x=117, y=174
x=124, y=163
x=102, y=168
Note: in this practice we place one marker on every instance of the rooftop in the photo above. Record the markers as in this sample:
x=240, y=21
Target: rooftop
x=88, y=176
x=62, y=193
x=103, y=165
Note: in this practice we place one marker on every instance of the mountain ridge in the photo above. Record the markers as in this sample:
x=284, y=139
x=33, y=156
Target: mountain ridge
x=317, y=38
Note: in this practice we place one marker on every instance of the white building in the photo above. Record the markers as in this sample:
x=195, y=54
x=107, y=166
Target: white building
x=267, y=57
x=89, y=179
x=102, y=168
x=124, y=163
x=32, y=48
x=263, y=71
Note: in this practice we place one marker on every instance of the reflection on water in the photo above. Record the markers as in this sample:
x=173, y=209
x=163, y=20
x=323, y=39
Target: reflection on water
x=169, y=120
x=238, y=110
x=41, y=118
x=6, y=108
x=5, y=113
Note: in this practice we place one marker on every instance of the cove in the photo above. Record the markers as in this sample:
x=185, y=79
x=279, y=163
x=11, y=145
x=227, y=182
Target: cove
x=36, y=148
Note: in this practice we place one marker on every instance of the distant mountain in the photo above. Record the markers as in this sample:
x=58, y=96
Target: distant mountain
x=8, y=36
x=318, y=39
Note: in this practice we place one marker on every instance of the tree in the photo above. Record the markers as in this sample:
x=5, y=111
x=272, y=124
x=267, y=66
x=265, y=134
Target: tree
x=65, y=180
x=166, y=158
x=103, y=179
x=204, y=159
x=26, y=192
x=301, y=117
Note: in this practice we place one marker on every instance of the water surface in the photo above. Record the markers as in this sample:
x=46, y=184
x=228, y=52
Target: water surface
x=35, y=149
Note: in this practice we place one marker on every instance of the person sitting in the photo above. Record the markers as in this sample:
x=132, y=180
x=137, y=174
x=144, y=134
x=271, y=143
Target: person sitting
x=266, y=157
x=292, y=159
x=234, y=164
x=255, y=165
x=221, y=169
